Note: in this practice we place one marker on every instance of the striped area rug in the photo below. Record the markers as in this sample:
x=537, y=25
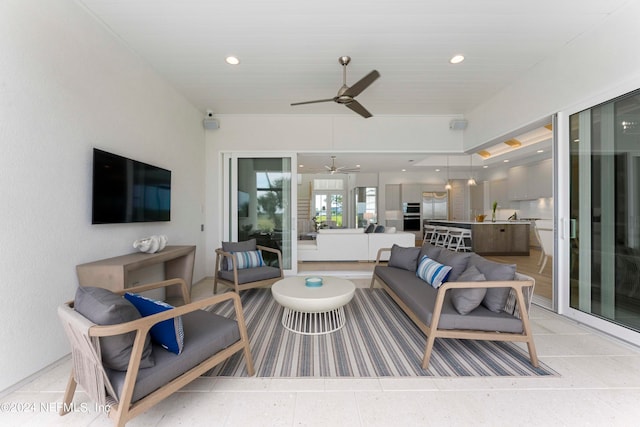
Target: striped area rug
x=378, y=340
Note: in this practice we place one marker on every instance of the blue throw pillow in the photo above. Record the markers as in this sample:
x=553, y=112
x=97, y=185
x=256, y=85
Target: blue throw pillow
x=248, y=259
x=168, y=333
x=432, y=271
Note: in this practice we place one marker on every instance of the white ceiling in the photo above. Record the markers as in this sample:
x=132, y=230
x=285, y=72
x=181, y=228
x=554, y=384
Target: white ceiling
x=289, y=49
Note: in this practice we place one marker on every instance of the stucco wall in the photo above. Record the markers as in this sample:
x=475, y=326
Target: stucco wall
x=66, y=86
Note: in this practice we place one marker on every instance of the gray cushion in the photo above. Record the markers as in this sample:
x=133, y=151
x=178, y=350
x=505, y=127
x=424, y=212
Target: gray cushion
x=496, y=298
x=103, y=307
x=421, y=299
x=379, y=229
x=247, y=245
x=205, y=334
x=248, y=275
x=468, y=299
x=456, y=260
x=370, y=228
x=405, y=258
x=430, y=250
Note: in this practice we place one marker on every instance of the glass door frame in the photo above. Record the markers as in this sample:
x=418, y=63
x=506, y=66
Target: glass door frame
x=563, y=239
x=230, y=198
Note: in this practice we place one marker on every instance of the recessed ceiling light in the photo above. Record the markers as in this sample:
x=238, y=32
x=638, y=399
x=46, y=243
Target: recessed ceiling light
x=357, y=166
x=456, y=59
x=404, y=170
x=506, y=160
x=300, y=165
x=540, y=151
x=232, y=60
x=485, y=166
x=437, y=170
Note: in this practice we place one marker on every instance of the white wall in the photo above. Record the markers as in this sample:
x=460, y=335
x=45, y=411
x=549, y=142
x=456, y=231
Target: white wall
x=305, y=133
x=595, y=63
x=67, y=85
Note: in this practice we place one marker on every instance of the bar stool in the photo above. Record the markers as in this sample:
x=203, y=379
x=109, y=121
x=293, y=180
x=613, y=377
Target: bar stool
x=442, y=236
x=458, y=238
x=429, y=231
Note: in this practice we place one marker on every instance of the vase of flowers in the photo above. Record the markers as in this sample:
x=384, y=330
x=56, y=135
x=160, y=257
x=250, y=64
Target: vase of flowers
x=494, y=206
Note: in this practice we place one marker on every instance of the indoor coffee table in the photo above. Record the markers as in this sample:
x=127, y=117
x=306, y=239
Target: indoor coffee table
x=313, y=310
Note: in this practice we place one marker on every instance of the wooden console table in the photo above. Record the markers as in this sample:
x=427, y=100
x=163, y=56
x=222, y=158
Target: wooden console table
x=112, y=273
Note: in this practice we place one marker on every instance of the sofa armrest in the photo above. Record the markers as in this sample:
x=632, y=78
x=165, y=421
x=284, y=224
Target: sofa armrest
x=517, y=286
x=380, y=252
x=272, y=250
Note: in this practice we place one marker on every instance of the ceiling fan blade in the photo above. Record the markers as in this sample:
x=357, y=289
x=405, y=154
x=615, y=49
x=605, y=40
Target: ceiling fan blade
x=312, y=102
x=362, y=84
x=358, y=108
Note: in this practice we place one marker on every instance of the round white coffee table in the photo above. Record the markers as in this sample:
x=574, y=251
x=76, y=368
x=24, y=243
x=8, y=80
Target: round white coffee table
x=313, y=310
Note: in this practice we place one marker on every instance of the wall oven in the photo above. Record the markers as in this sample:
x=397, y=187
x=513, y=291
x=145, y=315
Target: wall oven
x=411, y=216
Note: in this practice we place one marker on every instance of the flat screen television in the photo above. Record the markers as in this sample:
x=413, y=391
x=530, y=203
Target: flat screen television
x=126, y=190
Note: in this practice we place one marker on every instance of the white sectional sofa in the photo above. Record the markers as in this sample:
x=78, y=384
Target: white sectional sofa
x=350, y=244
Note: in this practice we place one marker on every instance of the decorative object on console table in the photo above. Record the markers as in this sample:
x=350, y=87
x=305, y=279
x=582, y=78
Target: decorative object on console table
x=493, y=211
x=151, y=244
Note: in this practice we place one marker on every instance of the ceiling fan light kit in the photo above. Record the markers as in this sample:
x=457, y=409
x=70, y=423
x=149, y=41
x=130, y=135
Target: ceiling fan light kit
x=346, y=95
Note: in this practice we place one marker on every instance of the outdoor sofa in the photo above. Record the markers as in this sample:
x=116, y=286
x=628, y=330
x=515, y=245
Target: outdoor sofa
x=480, y=299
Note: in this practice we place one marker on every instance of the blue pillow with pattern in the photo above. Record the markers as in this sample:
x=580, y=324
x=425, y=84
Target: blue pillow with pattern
x=248, y=259
x=168, y=333
x=432, y=272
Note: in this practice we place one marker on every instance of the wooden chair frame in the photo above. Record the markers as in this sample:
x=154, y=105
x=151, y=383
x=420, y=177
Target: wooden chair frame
x=237, y=287
x=87, y=363
x=432, y=332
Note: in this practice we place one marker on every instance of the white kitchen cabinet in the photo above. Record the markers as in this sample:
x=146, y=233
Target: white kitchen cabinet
x=532, y=181
x=517, y=186
x=411, y=193
x=498, y=192
x=541, y=179
x=392, y=197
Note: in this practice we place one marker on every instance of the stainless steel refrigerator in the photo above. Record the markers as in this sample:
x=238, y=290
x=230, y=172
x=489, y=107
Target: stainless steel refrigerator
x=435, y=205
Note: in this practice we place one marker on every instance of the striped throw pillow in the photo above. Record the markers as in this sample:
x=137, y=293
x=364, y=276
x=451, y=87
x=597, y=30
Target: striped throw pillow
x=248, y=259
x=432, y=271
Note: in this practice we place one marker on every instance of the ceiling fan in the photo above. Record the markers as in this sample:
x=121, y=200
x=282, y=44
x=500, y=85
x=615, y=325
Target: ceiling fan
x=347, y=94
x=339, y=169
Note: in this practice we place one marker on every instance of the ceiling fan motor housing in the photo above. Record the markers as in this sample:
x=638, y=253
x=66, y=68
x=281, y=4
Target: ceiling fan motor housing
x=347, y=94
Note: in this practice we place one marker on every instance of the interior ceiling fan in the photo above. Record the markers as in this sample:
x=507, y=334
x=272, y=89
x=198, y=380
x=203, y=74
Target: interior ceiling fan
x=347, y=94
x=339, y=169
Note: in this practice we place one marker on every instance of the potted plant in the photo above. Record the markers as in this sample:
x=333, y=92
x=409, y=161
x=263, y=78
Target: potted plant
x=494, y=206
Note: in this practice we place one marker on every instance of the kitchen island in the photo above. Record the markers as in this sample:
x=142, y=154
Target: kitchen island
x=494, y=238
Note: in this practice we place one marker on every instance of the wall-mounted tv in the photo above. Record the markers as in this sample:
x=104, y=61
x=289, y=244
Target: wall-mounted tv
x=125, y=190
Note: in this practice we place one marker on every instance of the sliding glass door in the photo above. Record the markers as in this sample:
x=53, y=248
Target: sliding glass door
x=604, y=232
x=259, y=202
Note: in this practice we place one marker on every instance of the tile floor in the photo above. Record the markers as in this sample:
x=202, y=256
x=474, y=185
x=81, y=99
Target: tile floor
x=599, y=384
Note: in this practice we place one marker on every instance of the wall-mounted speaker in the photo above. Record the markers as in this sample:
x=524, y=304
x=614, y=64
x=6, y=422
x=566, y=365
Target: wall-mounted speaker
x=458, y=124
x=211, y=123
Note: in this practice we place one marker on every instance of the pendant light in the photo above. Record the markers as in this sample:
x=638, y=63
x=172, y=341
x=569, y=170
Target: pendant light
x=471, y=181
x=448, y=184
